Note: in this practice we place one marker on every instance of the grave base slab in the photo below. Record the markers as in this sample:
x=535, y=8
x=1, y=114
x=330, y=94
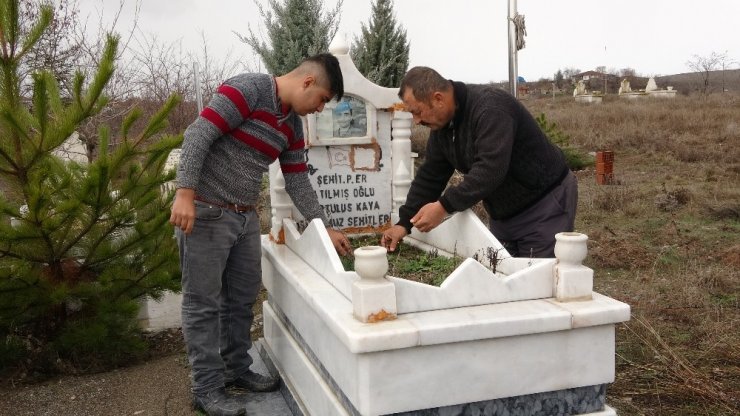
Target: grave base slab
x=513, y=355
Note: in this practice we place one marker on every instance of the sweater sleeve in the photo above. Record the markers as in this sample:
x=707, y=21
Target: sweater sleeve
x=493, y=132
x=428, y=184
x=297, y=183
x=227, y=109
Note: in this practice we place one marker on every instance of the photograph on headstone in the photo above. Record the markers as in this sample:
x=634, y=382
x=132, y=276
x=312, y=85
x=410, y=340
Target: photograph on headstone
x=346, y=118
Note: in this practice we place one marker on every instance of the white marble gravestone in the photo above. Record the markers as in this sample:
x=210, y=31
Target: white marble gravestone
x=582, y=95
x=350, y=144
x=653, y=91
x=521, y=337
x=625, y=91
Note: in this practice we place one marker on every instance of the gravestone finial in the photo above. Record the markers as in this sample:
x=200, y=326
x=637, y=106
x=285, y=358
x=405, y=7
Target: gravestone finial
x=573, y=280
x=339, y=45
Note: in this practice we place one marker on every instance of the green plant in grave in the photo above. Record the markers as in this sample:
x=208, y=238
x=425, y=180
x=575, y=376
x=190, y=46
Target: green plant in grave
x=409, y=262
x=430, y=267
x=574, y=158
x=79, y=244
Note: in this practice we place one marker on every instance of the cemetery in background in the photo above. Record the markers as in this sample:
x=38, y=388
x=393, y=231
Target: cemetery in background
x=662, y=234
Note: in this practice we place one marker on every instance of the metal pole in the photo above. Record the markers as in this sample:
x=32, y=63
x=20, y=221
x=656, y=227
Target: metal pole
x=553, y=93
x=513, y=70
x=198, y=95
x=604, y=75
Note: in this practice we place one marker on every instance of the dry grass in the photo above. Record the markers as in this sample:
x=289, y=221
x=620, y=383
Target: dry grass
x=664, y=239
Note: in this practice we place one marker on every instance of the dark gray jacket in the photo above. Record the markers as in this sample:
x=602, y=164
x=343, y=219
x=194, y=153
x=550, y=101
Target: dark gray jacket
x=493, y=140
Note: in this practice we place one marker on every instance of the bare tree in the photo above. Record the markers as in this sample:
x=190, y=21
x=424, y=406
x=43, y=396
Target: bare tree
x=149, y=70
x=627, y=72
x=726, y=64
x=704, y=65
x=569, y=73
x=214, y=71
x=120, y=90
x=57, y=49
x=161, y=69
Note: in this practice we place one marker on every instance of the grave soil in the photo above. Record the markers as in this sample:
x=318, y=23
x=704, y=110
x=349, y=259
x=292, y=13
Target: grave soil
x=409, y=262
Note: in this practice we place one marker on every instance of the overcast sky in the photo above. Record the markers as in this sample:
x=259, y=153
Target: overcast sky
x=467, y=40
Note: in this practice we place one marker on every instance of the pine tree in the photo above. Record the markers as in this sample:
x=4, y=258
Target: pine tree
x=575, y=158
x=58, y=49
x=559, y=78
x=79, y=244
x=381, y=53
x=296, y=31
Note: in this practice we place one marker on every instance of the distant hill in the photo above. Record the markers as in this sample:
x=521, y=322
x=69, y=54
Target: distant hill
x=692, y=81
x=685, y=83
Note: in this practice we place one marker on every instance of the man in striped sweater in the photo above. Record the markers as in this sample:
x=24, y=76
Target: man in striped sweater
x=252, y=120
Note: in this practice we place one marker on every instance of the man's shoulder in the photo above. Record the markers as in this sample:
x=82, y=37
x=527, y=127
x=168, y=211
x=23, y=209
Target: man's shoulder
x=249, y=81
x=487, y=97
x=477, y=91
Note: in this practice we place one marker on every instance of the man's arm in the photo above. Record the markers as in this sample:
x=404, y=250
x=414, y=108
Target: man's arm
x=227, y=109
x=183, y=210
x=298, y=186
x=428, y=184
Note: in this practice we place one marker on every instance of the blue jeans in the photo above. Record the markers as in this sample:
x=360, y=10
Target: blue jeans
x=221, y=277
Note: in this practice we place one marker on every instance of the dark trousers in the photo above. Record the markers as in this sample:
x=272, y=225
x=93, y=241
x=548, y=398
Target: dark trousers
x=532, y=232
x=221, y=277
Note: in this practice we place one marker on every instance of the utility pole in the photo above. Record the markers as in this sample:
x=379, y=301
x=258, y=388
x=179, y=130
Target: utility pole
x=604, y=75
x=553, y=92
x=513, y=69
x=198, y=94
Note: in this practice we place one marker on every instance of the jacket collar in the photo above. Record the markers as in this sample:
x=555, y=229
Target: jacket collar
x=460, y=91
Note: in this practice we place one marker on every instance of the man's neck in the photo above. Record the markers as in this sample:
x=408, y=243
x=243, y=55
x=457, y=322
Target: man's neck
x=282, y=84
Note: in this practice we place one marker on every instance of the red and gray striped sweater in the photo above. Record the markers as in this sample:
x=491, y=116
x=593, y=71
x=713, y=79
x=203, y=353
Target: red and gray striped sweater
x=229, y=147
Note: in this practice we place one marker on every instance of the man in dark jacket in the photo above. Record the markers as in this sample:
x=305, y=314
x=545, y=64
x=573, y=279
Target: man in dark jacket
x=506, y=159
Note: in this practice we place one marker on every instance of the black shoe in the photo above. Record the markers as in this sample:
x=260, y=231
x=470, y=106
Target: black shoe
x=255, y=382
x=218, y=403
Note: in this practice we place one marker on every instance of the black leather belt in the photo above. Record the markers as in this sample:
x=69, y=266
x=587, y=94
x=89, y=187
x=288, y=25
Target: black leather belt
x=233, y=207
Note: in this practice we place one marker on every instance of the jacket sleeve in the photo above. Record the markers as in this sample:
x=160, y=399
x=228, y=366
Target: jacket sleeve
x=429, y=182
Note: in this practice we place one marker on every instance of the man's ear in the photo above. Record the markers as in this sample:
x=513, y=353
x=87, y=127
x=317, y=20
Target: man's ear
x=308, y=80
x=437, y=99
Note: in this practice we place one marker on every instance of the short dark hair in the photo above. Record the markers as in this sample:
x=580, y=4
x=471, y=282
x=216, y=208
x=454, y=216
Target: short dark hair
x=423, y=81
x=333, y=72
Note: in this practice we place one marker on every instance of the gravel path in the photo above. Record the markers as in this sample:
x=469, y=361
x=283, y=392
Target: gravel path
x=157, y=387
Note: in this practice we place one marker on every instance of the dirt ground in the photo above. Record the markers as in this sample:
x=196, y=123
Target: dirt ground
x=157, y=387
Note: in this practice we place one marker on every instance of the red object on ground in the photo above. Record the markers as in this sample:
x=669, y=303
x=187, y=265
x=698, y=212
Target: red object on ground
x=604, y=167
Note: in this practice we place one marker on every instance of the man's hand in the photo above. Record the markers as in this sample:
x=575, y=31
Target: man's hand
x=392, y=236
x=183, y=210
x=429, y=217
x=340, y=241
